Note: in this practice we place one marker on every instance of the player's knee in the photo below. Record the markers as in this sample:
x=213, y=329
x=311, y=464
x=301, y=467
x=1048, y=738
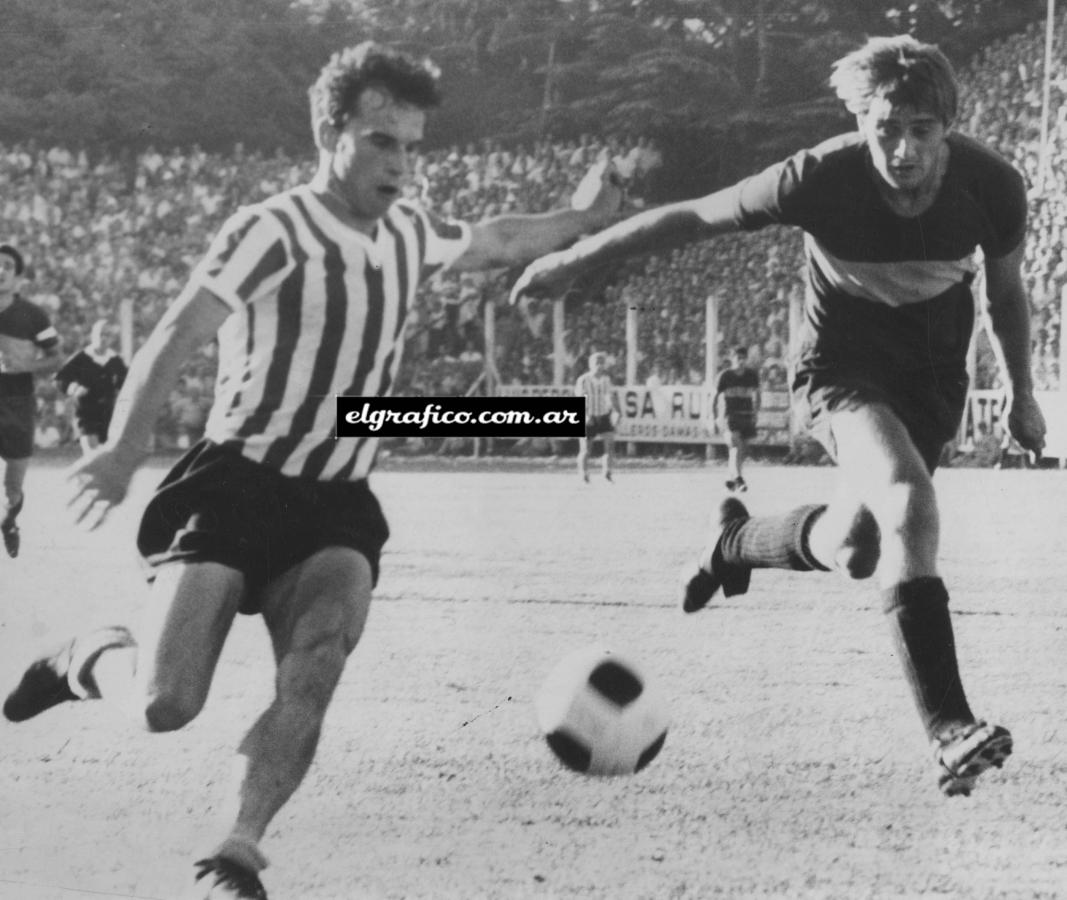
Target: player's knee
x=908, y=513
x=168, y=712
x=861, y=550
x=307, y=677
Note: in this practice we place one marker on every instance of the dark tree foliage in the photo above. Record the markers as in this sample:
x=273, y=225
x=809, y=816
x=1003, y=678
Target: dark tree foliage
x=109, y=74
x=723, y=84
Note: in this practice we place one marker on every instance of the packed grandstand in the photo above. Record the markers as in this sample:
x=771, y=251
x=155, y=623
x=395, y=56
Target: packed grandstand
x=103, y=232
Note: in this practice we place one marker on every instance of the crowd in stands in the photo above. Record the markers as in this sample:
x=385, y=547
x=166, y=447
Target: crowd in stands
x=100, y=232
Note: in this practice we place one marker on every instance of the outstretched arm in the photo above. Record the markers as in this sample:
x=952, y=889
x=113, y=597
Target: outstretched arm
x=514, y=240
x=663, y=228
x=1008, y=311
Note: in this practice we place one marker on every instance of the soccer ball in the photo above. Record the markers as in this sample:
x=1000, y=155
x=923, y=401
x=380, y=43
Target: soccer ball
x=600, y=713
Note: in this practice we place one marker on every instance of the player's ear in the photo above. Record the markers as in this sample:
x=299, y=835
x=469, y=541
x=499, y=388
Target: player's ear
x=326, y=134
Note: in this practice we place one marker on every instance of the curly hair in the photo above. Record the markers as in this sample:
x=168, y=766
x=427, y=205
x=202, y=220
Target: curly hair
x=351, y=71
x=900, y=69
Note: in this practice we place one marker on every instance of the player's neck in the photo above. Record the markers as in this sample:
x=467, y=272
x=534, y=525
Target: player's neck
x=334, y=201
x=6, y=299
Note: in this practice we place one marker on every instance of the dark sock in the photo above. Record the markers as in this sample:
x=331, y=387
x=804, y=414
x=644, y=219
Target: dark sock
x=922, y=634
x=12, y=512
x=772, y=542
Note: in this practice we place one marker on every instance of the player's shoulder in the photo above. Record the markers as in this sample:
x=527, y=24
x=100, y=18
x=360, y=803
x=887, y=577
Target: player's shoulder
x=20, y=306
x=414, y=212
x=272, y=211
x=833, y=157
x=286, y=201
x=975, y=159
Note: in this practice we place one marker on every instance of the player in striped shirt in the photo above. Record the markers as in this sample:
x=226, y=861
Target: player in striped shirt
x=894, y=215
x=600, y=402
x=308, y=293
x=29, y=346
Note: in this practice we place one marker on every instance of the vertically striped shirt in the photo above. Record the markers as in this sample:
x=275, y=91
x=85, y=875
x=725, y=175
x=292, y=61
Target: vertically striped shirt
x=319, y=310
x=597, y=392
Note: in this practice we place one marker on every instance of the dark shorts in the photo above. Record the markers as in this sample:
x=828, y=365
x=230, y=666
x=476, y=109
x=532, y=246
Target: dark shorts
x=217, y=506
x=17, y=418
x=929, y=405
x=92, y=421
x=741, y=427
x=91, y=427
x=598, y=425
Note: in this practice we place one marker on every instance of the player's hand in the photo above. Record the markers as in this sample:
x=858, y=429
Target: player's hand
x=600, y=191
x=100, y=480
x=544, y=277
x=1026, y=423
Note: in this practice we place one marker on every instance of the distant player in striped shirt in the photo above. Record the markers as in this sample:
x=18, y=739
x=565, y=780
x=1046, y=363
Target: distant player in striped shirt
x=600, y=402
x=308, y=293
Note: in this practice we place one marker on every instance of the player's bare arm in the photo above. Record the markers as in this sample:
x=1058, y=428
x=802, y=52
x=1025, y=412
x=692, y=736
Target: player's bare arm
x=512, y=240
x=104, y=476
x=663, y=228
x=1008, y=310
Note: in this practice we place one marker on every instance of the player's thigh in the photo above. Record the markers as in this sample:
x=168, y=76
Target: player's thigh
x=315, y=613
x=883, y=470
x=190, y=612
x=873, y=448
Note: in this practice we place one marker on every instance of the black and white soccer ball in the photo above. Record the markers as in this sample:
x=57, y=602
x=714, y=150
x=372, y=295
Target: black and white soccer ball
x=601, y=714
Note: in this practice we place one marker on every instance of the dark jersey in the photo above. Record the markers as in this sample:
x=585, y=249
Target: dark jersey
x=738, y=389
x=888, y=294
x=101, y=381
x=24, y=330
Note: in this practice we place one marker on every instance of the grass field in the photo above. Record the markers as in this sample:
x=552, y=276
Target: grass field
x=795, y=766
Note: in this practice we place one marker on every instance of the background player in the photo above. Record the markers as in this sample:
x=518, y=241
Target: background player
x=93, y=377
x=600, y=402
x=29, y=346
x=736, y=403
x=308, y=294
x=893, y=215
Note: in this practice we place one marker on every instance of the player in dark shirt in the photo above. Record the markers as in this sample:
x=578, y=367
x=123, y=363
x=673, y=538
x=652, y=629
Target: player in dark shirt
x=29, y=346
x=736, y=403
x=894, y=216
x=93, y=376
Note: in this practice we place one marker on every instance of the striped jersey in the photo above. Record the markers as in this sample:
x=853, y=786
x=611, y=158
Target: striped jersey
x=319, y=310
x=597, y=392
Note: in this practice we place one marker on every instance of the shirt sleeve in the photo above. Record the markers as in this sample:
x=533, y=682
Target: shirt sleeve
x=1005, y=200
x=247, y=259
x=446, y=240
x=777, y=195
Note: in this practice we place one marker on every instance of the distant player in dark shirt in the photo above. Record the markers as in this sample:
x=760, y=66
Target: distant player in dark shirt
x=894, y=215
x=736, y=405
x=29, y=346
x=92, y=377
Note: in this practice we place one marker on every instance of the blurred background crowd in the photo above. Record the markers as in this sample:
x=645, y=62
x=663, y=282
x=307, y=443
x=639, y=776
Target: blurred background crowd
x=100, y=231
